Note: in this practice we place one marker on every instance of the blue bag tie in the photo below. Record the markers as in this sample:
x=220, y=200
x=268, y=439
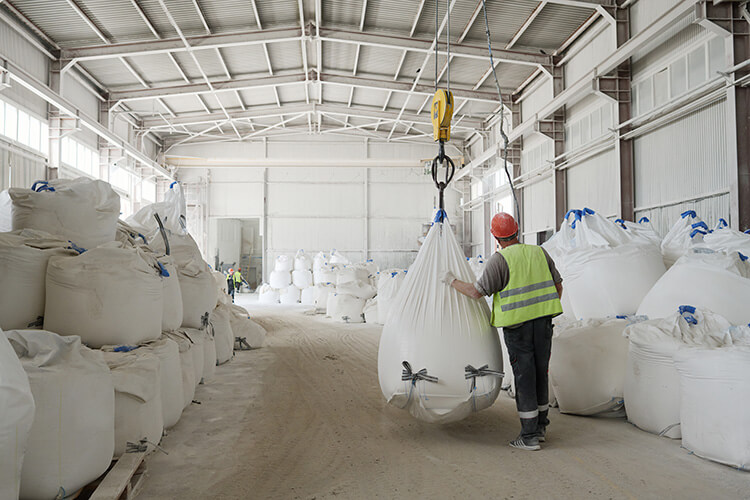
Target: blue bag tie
x=163, y=270
x=643, y=219
x=690, y=213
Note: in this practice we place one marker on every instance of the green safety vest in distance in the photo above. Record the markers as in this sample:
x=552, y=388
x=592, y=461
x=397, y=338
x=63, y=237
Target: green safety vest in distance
x=530, y=292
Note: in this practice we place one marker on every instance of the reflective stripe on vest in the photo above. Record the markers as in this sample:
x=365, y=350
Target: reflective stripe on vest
x=530, y=292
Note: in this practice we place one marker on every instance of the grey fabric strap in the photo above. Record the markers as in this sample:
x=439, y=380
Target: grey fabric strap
x=408, y=374
x=472, y=373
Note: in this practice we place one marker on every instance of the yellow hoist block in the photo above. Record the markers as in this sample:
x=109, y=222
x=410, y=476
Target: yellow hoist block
x=442, y=113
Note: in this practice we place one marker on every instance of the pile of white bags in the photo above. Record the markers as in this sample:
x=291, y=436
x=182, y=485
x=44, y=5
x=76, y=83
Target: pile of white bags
x=352, y=273
x=607, y=268
x=321, y=293
x=307, y=296
x=652, y=384
x=246, y=328
x=289, y=295
x=108, y=296
x=345, y=308
x=81, y=210
x=23, y=270
x=186, y=365
x=75, y=412
x=17, y=415
x=587, y=366
x=434, y=337
x=268, y=295
x=726, y=239
x=709, y=280
x=389, y=283
x=138, y=404
x=686, y=233
x=170, y=378
x=223, y=333
x=715, y=399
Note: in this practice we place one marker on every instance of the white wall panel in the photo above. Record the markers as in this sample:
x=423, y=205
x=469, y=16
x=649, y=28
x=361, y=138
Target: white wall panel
x=709, y=209
x=17, y=49
x=594, y=183
x=403, y=200
x=84, y=100
x=589, y=53
x=645, y=12
x=290, y=234
x=319, y=199
x=19, y=168
x=536, y=99
x=235, y=199
x=539, y=206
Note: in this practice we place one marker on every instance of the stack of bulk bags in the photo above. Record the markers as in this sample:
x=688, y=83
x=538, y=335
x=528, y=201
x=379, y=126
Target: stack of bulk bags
x=706, y=279
x=268, y=295
x=222, y=332
x=321, y=294
x=16, y=417
x=607, y=268
x=587, y=366
x=246, y=328
x=352, y=273
x=171, y=211
x=302, y=261
x=685, y=234
x=439, y=357
x=170, y=378
x=23, y=270
x=186, y=365
x=715, y=399
x=389, y=283
x=652, y=384
x=107, y=295
x=345, y=308
x=197, y=339
x=281, y=276
x=81, y=210
x=289, y=295
x=138, y=403
x=307, y=296
x=75, y=411
x=197, y=284
x=302, y=278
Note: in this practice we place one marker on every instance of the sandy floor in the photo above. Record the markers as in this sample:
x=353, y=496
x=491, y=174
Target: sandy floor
x=304, y=418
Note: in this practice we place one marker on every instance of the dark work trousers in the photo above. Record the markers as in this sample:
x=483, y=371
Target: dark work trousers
x=230, y=288
x=529, y=347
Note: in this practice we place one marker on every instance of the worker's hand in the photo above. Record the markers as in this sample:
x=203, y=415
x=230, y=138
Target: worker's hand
x=448, y=278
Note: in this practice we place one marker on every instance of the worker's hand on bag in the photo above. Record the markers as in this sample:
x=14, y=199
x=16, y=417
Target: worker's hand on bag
x=448, y=278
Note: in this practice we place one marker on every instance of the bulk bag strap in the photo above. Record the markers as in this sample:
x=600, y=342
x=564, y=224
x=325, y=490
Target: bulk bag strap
x=483, y=371
x=408, y=375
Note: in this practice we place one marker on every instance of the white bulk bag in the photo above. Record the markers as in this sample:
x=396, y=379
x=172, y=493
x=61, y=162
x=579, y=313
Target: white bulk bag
x=6, y=209
x=221, y=287
x=360, y=289
x=129, y=236
x=726, y=239
x=345, y=308
x=23, y=270
x=302, y=261
x=321, y=294
x=16, y=417
x=307, y=296
x=172, y=212
x=268, y=295
x=199, y=294
x=320, y=259
x=302, y=278
x=197, y=337
x=685, y=234
x=389, y=283
x=371, y=267
x=714, y=281
x=172, y=311
x=587, y=366
x=328, y=273
x=223, y=333
x=280, y=279
x=436, y=329
x=73, y=435
x=289, y=295
x=715, y=403
x=138, y=411
x=371, y=311
x=107, y=296
x=186, y=365
x=170, y=377
x=337, y=258
x=284, y=263
x=209, y=355
x=245, y=327
x=652, y=384
x=81, y=210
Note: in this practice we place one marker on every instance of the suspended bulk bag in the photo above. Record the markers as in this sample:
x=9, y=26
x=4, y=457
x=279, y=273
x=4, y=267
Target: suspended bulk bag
x=72, y=438
x=588, y=364
x=435, y=339
x=268, y=295
x=711, y=281
x=223, y=334
x=23, y=269
x=170, y=378
x=81, y=210
x=652, y=384
x=197, y=338
x=302, y=261
x=389, y=283
x=345, y=308
x=302, y=278
x=172, y=311
x=186, y=365
x=16, y=417
x=715, y=402
x=209, y=355
x=107, y=296
x=138, y=411
x=307, y=296
x=244, y=327
x=289, y=295
x=321, y=294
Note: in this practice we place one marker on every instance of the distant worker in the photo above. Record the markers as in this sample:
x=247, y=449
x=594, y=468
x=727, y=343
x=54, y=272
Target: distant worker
x=230, y=283
x=526, y=289
x=237, y=276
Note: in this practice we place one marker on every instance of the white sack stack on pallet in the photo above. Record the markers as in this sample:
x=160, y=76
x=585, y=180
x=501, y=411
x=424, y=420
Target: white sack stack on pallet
x=23, y=270
x=435, y=338
x=75, y=410
x=17, y=415
x=652, y=384
x=170, y=378
x=81, y=210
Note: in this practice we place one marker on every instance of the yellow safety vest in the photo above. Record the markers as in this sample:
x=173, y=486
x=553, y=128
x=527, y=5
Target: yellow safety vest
x=237, y=277
x=530, y=292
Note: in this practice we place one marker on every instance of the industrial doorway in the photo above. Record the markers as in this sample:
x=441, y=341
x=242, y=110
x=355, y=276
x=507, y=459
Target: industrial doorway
x=237, y=243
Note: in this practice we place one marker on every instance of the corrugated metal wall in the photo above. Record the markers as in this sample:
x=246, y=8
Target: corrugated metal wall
x=19, y=168
x=85, y=101
x=17, y=49
x=644, y=12
x=590, y=53
x=539, y=206
x=594, y=183
x=541, y=95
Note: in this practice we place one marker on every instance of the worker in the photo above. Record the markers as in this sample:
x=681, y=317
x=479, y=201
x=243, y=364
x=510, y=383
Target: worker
x=230, y=283
x=526, y=289
x=237, y=276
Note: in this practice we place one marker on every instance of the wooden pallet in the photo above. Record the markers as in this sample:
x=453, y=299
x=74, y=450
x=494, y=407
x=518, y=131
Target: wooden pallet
x=124, y=479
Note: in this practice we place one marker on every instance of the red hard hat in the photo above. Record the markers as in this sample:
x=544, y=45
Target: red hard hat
x=504, y=226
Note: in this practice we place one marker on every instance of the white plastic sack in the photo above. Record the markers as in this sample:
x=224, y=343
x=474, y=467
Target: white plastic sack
x=325, y=274
x=337, y=258
x=685, y=234
x=713, y=281
x=170, y=377
x=320, y=259
x=23, y=270
x=371, y=311
x=172, y=312
x=588, y=364
x=197, y=337
x=284, y=263
x=223, y=333
x=186, y=365
x=268, y=295
x=289, y=295
x=75, y=410
x=307, y=296
x=434, y=328
x=302, y=261
x=107, y=296
x=209, y=355
x=244, y=327
x=172, y=212
x=360, y=289
x=138, y=411
x=280, y=279
x=16, y=417
x=345, y=308
x=302, y=278
x=321, y=294
x=389, y=283
x=81, y=210
x=652, y=384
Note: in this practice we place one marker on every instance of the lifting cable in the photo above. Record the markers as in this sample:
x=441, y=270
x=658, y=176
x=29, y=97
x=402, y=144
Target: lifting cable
x=502, y=111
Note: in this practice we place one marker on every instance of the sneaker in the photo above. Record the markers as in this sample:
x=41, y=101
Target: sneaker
x=530, y=444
